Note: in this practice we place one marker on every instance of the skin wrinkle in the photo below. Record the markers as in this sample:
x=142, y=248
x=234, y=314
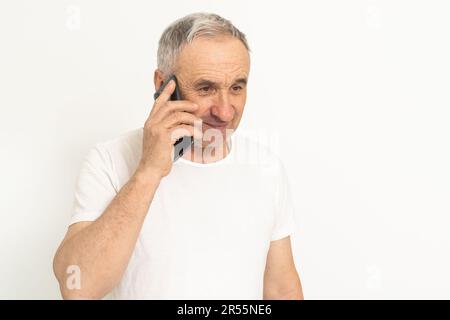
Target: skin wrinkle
x=102, y=248
x=220, y=61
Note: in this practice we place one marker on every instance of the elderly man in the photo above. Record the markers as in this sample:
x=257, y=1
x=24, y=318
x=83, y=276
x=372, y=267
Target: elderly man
x=206, y=226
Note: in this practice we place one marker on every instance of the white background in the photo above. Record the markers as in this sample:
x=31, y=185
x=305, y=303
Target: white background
x=357, y=92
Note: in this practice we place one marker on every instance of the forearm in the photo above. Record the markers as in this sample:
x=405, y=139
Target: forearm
x=291, y=294
x=102, y=250
x=294, y=294
x=285, y=287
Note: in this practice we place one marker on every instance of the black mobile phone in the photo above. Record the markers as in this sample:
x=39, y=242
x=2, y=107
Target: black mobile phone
x=184, y=143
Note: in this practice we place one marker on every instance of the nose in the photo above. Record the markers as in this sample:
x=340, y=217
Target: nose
x=223, y=109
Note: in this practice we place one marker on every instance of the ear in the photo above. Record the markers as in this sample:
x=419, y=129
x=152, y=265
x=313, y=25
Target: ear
x=158, y=79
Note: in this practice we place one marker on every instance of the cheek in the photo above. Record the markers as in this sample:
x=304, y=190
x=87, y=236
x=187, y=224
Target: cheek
x=239, y=102
x=205, y=103
x=204, y=106
x=202, y=103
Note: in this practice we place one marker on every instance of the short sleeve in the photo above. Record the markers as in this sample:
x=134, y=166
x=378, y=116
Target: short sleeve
x=285, y=223
x=94, y=189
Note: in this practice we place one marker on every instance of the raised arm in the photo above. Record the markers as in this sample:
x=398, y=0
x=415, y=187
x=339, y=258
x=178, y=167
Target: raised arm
x=100, y=250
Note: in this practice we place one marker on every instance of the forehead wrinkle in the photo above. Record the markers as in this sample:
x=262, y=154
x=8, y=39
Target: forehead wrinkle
x=219, y=76
x=193, y=65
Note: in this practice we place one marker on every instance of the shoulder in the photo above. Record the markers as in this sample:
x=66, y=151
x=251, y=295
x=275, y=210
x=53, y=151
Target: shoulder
x=118, y=156
x=125, y=146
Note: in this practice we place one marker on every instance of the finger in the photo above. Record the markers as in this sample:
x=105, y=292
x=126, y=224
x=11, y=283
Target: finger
x=174, y=106
x=181, y=117
x=165, y=95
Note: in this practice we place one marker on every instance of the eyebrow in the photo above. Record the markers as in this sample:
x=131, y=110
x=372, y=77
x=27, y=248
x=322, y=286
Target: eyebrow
x=206, y=82
x=241, y=81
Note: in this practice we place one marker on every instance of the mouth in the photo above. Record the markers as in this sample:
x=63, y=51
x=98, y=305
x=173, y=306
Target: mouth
x=221, y=126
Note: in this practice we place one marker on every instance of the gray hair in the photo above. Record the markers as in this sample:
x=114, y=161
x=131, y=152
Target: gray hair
x=186, y=29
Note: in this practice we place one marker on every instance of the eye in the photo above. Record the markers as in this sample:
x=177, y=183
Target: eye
x=236, y=89
x=205, y=90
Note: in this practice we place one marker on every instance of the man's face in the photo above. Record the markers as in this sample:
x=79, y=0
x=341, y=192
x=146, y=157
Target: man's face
x=213, y=72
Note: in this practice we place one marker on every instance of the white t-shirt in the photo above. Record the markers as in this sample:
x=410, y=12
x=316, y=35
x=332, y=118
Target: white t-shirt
x=209, y=226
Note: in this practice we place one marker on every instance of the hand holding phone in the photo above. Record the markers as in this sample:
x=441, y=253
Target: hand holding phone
x=162, y=141
x=182, y=144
